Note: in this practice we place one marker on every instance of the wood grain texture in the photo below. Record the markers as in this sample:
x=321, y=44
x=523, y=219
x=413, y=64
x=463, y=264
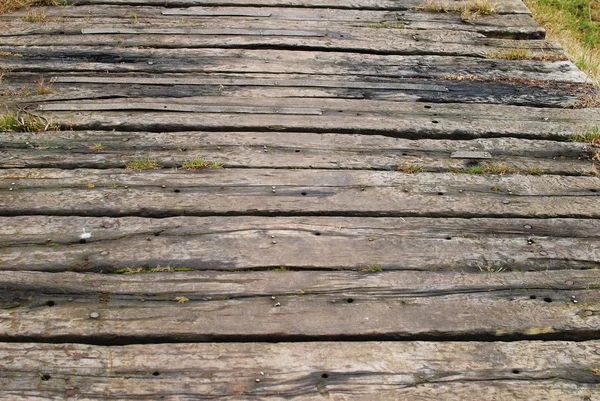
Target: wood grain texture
x=77, y=86
x=389, y=305
x=47, y=243
x=511, y=26
x=504, y=6
x=303, y=371
x=50, y=60
x=297, y=192
x=71, y=149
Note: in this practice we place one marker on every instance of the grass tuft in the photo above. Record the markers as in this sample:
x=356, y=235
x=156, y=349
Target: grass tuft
x=410, y=169
x=97, y=147
x=200, y=163
x=12, y=5
x=142, y=164
x=17, y=122
x=589, y=136
x=142, y=270
x=469, y=11
x=43, y=89
x=371, y=269
x=35, y=16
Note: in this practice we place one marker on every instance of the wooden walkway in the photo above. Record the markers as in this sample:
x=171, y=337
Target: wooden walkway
x=295, y=200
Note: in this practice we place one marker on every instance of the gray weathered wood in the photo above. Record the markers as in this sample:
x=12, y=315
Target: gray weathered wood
x=48, y=243
x=369, y=371
x=515, y=26
x=71, y=149
x=79, y=59
x=239, y=306
x=297, y=192
x=503, y=6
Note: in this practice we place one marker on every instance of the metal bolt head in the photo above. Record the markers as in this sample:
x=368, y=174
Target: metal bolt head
x=94, y=315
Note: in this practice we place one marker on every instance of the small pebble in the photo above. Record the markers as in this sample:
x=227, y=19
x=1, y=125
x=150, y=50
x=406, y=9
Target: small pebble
x=150, y=63
x=262, y=373
x=588, y=313
x=12, y=183
x=598, y=351
x=460, y=190
x=272, y=236
x=573, y=296
x=506, y=202
x=70, y=393
x=527, y=227
x=94, y=315
x=126, y=186
x=277, y=304
x=10, y=189
x=70, y=299
x=274, y=242
x=96, y=284
x=273, y=297
x=569, y=283
x=333, y=301
x=257, y=380
x=142, y=300
x=574, y=301
x=104, y=253
x=163, y=186
x=272, y=187
x=273, y=191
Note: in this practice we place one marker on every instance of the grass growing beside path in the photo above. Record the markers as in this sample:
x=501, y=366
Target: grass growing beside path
x=11, y=5
x=576, y=25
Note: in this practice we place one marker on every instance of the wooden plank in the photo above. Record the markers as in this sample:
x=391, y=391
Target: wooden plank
x=287, y=85
x=70, y=58
x=553, y=370
x=289, y=82
x=503, y=7
x=297, y=192
x=52, y=307
x=54, y=244
x=360, y=40
x=71, y=149
x=515, y=26
x=179, y=107
x=399, y=125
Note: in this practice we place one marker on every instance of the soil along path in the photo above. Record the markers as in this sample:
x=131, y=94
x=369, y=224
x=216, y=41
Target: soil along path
x=299, y=200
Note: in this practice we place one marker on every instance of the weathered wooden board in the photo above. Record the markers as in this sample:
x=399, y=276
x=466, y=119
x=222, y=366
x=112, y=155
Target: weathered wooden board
x=454, y=371
x=344, y=121
x=117, y=60
x=515, y=26
x=236, y=243
x=294, y=192
x=70, y=87
x=358, y=40
x=346, y=305
x=502, y=6
x=74, y=149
